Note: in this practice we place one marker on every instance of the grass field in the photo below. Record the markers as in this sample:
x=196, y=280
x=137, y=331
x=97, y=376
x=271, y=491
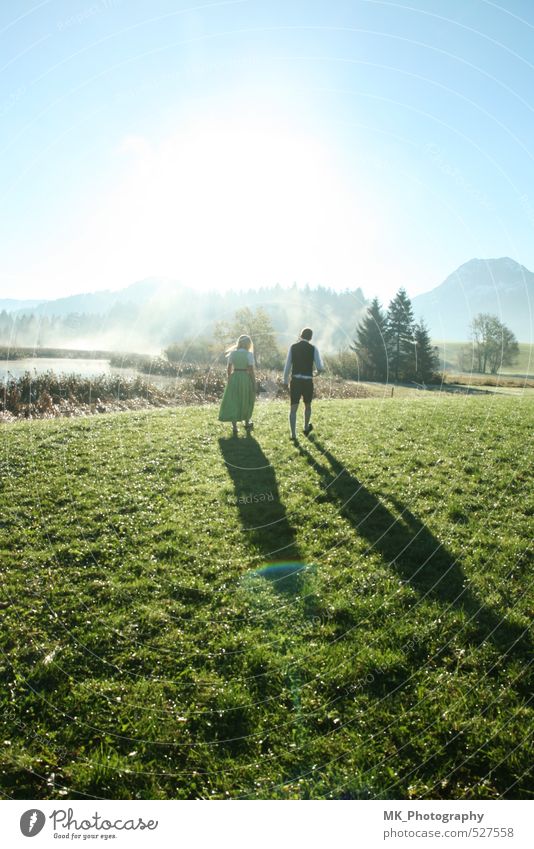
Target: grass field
x=524, y=365
x=186, y=615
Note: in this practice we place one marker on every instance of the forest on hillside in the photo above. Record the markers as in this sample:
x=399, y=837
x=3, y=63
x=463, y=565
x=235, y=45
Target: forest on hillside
x=153, y=318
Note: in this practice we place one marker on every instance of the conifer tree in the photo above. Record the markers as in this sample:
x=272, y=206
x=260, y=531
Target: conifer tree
x=401, y=348
x=426, y=354
x=370, y=343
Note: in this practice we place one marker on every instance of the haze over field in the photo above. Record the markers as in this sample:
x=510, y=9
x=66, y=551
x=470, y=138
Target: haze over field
x=245, y=145
x=150, y=314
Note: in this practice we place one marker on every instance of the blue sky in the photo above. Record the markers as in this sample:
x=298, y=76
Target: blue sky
x=362, y=143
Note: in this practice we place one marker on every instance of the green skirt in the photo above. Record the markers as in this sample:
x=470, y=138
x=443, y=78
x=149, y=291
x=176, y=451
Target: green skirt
x=238, y=400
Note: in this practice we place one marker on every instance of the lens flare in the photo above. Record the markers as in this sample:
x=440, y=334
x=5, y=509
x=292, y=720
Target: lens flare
x=281, y=569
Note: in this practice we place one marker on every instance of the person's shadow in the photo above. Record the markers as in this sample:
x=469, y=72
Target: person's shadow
x=410, y=548
x=262, y=514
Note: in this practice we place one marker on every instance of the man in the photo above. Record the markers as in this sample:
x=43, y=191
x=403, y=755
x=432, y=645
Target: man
x=301, y=358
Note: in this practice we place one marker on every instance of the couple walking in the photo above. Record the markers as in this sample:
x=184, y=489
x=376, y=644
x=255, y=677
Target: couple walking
x=240, y=393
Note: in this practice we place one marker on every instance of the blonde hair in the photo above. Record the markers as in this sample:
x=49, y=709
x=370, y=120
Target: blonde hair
x=244, y=341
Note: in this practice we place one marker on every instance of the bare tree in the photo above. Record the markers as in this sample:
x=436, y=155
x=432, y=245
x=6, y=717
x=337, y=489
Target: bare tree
x=494, y=344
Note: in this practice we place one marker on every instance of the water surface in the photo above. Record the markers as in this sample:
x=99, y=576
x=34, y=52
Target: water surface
x=86, y=367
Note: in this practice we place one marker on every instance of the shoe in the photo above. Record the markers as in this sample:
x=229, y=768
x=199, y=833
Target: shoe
x=249, y=426
x=308, y=430
x=294, y=437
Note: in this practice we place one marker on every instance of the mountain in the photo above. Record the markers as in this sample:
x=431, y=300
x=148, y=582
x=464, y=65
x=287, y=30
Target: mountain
x=12, y=305
x=151, y=313
x=502, y=287
x=101, y=302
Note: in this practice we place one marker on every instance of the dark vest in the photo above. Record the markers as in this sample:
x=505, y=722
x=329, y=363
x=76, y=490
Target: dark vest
x=302, y=354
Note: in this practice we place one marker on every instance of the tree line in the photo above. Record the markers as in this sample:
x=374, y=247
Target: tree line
x=391, y=346
x=142, y=319
x=388, y=345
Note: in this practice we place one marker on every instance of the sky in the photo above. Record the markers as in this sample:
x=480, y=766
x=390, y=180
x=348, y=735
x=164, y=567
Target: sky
x=245, y=143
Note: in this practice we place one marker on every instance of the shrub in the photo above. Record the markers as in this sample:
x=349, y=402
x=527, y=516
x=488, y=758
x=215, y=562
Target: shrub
x=343, y=364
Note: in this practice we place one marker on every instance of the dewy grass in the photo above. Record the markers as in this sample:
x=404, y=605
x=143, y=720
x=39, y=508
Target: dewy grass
x=360, y=633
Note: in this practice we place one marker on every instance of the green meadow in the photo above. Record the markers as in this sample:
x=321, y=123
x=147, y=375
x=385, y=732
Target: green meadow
x=186, y=615
x=523, y=365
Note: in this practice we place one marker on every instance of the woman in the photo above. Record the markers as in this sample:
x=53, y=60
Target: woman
x=240, y=393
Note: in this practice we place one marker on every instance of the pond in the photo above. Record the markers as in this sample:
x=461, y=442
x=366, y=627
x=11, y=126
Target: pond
x=72, y=365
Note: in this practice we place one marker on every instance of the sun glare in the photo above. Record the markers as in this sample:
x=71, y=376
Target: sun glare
x=239, y=205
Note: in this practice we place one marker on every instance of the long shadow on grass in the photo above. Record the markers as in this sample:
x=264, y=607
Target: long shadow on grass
x=262, y=514
x=409, y=547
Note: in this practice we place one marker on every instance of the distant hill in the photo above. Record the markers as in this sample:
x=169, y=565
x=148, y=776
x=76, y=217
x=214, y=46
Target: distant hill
x=151, y=313
x=98, y=303
x=12, y=304
x=499, y=286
